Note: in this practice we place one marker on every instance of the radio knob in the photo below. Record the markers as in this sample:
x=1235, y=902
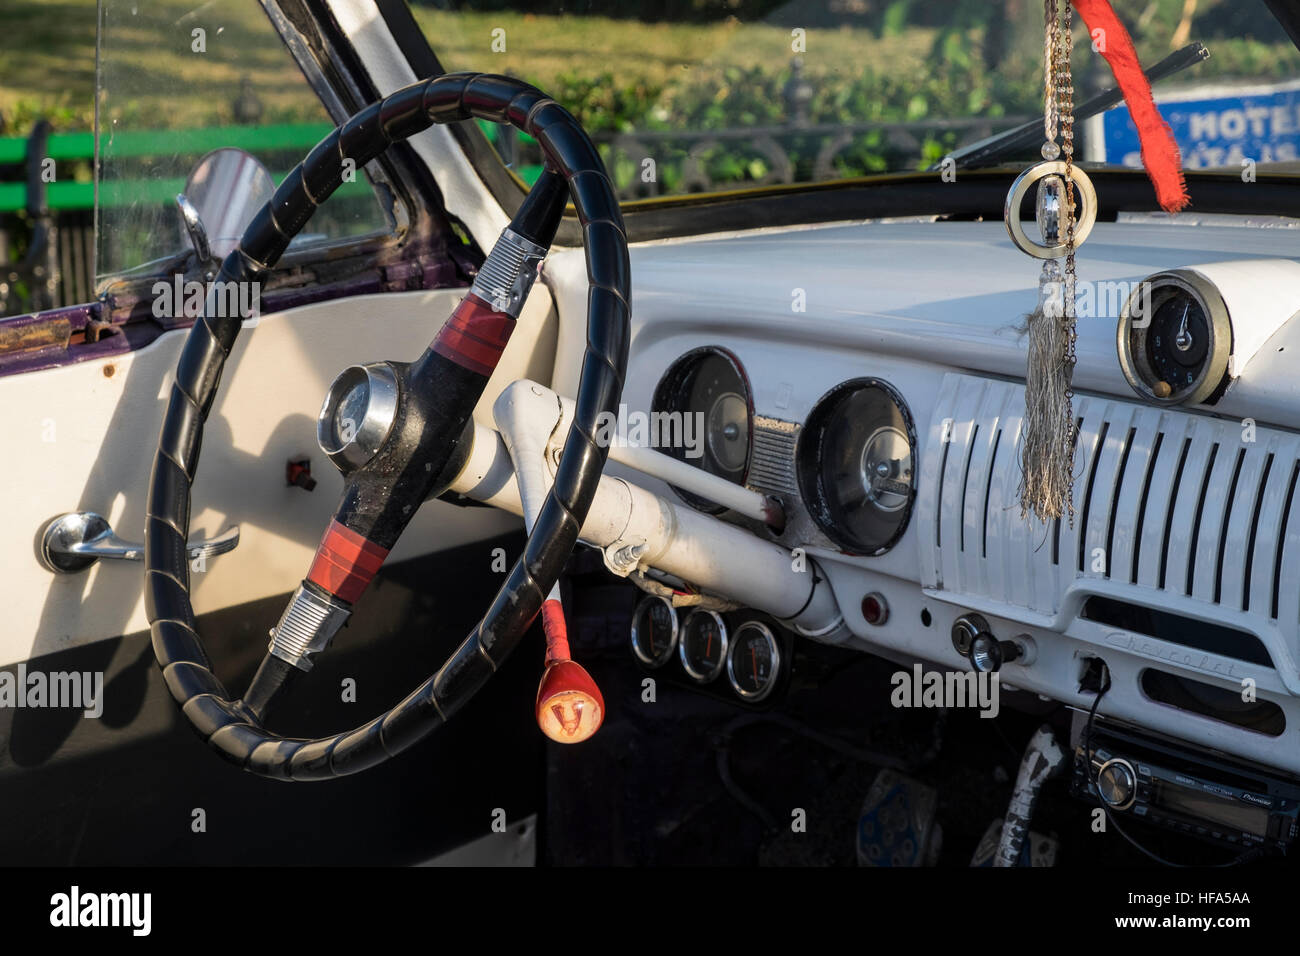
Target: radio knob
x=1117, y=784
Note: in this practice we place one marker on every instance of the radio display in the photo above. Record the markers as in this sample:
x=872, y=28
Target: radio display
x=1230, y=813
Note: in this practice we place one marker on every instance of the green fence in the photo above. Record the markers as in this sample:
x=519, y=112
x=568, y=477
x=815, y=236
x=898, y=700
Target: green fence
x=72, y=147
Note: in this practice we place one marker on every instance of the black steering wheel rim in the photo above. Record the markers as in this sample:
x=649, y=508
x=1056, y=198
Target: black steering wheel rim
x=235, y=730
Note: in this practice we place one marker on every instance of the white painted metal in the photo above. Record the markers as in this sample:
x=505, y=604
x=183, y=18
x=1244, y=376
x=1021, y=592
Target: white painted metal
x=463, y=192
x=84, y=440
x=946, y=294
x=932, y=308
x=649, y=461
x=638, y=530
x=1203, y=544
x=1261, y=296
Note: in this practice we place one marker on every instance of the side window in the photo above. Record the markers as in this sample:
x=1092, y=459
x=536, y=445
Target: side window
x=178, y=81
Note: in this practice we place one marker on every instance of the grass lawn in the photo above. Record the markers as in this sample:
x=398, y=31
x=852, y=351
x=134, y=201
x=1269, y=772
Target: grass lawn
x=659, y=54
x=155, y=77
x=156, y=80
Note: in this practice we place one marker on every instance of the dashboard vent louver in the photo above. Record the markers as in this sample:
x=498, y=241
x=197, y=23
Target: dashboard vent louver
x=1165, y=500
x=772, y=462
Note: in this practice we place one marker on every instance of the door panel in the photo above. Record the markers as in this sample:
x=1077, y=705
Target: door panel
x=82, y=438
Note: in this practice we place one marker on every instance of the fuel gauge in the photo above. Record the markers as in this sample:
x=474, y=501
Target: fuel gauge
x=654, y=631
x=753, y=661
x=703, y=647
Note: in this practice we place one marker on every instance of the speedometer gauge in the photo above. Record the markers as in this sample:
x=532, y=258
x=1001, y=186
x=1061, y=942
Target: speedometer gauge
x=1174, y=338
x=703, y=645
x=753, y=661
x=654, y=631
x=704, y=404
x=856, y=463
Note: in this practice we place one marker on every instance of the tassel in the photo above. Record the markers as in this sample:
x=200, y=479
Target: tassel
x=1160, y=153
x=1047, y=449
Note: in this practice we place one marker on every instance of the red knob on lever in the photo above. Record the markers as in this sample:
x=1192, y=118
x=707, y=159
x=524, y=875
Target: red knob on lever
x=569, y=705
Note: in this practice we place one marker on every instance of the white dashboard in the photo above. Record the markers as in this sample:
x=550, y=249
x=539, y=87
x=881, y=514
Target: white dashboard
x=1182, y=567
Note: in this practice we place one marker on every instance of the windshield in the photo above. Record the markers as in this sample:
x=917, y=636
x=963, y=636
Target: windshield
x=177, y=79
x=711, y=95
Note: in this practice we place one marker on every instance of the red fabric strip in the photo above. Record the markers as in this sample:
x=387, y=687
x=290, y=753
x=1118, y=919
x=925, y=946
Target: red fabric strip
x=1159, y=150
x=557, y=633
x=474, y=336
x=345, y=562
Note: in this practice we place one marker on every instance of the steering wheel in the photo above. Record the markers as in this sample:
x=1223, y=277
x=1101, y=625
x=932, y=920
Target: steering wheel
x=400, y=432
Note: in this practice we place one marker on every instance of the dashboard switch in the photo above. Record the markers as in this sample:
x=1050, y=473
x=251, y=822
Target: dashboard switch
x=972, y=638
x=987, y=654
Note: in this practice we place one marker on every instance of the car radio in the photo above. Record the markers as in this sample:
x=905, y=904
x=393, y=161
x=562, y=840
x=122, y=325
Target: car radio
x=1183, y=789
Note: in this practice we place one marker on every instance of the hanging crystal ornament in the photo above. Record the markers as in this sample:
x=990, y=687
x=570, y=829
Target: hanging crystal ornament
x=1047, y=451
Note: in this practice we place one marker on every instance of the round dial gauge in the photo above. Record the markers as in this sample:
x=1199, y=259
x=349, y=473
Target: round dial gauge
x=703, y=645
x=856, y=464
x=704, y=405
x=654, y=631
x=753, y=661
x=1175, y=338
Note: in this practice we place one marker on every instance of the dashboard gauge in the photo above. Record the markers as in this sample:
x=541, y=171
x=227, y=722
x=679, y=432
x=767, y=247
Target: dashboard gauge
x=856, y=465
x=753, y=661
x=1174, y=339
x=654, y=631
x=704, y=403
x=703, y=645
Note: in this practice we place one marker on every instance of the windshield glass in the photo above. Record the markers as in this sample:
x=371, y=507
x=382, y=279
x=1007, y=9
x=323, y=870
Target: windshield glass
x=694, y=96
x=177, y=79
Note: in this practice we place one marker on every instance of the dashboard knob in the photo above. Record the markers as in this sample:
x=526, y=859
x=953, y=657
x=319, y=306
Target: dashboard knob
x=1117, y=784
x=987, y=654
x=569, y=706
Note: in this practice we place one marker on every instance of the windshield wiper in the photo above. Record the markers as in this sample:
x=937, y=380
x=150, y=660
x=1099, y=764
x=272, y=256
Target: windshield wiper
x=988, y=151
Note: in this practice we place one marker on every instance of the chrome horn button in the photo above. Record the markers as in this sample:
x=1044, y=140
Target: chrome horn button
x=357, y=414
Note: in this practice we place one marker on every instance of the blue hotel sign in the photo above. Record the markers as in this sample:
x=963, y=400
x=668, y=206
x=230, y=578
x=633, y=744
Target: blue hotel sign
x=1215, y=131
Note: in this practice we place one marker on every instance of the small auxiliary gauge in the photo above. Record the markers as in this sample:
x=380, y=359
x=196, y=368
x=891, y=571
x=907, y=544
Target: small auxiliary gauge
x=1174, y=339
x=703, y=645
x=654, y=631
x=753, y=661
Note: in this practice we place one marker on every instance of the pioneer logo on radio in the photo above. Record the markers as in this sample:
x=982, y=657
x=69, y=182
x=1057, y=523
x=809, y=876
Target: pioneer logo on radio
x=1253, y=798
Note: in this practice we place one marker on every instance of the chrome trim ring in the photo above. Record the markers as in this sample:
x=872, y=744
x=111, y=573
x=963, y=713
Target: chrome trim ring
x=667, y=654
x=368, y=428
x=1133, y=361
x=754, y=697
x=709, y=675
x=1020, y=188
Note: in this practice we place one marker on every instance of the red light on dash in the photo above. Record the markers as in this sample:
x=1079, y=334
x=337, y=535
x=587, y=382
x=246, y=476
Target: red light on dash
x=875, y=609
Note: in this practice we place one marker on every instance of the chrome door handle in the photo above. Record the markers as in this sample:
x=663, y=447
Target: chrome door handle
x=73, y=542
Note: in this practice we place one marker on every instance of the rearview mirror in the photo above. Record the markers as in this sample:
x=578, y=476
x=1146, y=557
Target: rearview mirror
x=225, y=190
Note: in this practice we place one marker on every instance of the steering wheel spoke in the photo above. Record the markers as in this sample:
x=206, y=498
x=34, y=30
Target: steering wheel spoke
x=400, y=433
